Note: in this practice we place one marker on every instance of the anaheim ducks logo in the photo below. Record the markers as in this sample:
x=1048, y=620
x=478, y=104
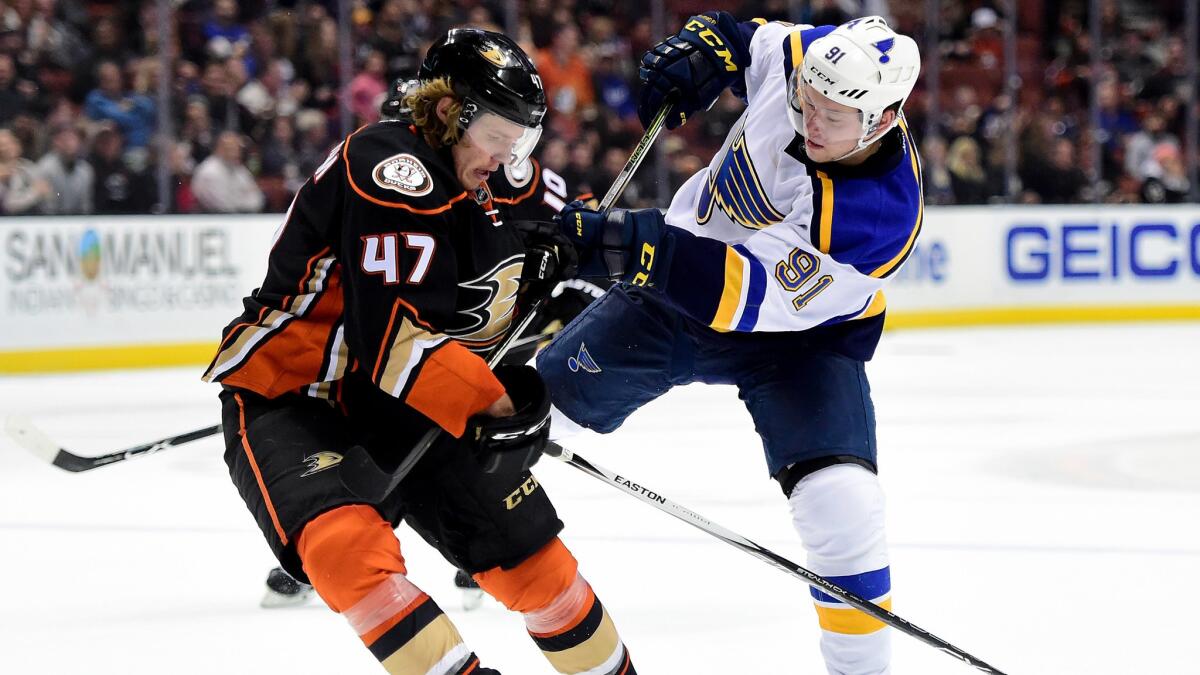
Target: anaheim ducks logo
x=404, y=174
x=488, y=317
x=321, y=461
x=492, y=53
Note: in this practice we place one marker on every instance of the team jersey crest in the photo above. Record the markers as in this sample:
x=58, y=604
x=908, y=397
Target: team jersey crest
x=403, y=173
x=736, y=190
x=496, y=289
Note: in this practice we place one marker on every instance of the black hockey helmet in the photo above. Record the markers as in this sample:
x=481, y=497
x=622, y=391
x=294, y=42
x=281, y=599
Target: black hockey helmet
x=491, y=74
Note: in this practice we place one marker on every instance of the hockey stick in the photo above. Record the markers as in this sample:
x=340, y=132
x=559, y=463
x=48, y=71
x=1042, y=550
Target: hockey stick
x=362, y=476
x=32, y=439
x=359, y=472
x=736, y=540
x=635, y=158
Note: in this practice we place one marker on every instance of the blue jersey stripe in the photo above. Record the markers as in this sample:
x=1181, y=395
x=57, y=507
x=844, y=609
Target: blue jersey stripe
x=868, y=585
x=755, y=292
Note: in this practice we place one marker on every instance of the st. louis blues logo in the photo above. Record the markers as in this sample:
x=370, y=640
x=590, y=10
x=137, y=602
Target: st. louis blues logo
x=884, y=46
x=582, y=360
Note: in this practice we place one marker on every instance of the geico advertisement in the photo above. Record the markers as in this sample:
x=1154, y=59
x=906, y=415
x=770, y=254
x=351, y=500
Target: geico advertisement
x=1037, y=256
x=108, y=281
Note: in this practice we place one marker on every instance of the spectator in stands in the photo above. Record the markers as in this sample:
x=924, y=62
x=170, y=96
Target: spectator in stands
x=132, y=113
x=1058, y=180
x=1140, y=146
x=315, y=142
x=218, y=87
x=564, y=72
x=15, y=94
x=70, y=177
x=1167, y=180
x=52, y=41
x=21, y=189
x=938, y=183
x=224, y=29
x=181, y=165
x=222, y=183
x=280, y=158
x=366, y=91
x=968, y=179
x=197, y=128
x=119, y=187
x=268, y=95
x=612, y=86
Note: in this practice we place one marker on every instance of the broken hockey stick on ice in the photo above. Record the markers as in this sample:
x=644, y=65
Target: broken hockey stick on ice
x=359, y=473
x=736, y=540
x=32, y=439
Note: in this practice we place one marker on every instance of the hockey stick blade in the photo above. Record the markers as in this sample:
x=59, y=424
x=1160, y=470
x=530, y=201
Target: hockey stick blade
x=28, y=436
x=645, y=494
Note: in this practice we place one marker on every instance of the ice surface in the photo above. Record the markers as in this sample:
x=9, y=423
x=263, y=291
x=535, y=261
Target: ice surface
x=1043, y=484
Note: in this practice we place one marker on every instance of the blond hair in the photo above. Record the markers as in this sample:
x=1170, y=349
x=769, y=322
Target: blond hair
x=423, y=102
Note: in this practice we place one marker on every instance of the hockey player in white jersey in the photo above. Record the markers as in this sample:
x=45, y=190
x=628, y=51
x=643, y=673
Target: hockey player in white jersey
x=767, y=273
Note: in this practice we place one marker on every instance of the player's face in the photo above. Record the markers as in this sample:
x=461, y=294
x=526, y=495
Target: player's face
x=831, y=130
x=489, y=142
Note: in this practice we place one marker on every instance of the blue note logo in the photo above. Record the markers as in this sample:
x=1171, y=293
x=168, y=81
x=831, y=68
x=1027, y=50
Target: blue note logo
x=582, y=360
x=884, y=46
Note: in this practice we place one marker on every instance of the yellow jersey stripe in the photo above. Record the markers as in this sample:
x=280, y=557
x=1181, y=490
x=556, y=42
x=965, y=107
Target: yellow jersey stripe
x=878, y=304
x=797, y=49
x=825, y=233
x=731, y=296
x=850, y=621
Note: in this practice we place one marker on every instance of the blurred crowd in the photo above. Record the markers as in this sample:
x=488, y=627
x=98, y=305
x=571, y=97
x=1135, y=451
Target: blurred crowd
x=255, y=95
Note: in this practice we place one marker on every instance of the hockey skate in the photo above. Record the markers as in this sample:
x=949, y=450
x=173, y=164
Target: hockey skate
x=284, y=591
x=472, y=594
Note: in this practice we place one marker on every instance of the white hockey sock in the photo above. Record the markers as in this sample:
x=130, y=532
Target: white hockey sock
x=839, y=513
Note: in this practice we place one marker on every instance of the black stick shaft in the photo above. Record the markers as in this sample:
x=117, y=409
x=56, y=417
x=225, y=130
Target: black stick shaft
x=31, y=438
x=655, y=499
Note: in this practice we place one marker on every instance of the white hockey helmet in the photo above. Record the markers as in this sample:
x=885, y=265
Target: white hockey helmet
x=863, y=64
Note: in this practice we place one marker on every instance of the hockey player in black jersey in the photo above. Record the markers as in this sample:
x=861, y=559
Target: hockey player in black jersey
x=531, y=192
x=396, y=267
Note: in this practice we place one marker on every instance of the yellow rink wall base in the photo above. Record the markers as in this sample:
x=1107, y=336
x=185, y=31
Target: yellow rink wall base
x=200, y=353
x=107, y=358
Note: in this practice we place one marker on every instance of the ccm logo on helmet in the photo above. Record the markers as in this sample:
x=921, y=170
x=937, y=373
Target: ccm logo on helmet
x=817, y=71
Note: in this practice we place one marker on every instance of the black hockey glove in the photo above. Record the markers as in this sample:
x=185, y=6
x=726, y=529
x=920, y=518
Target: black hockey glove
x=696, y=65
x=618, y=244
x=549, y=256
x=513, y=444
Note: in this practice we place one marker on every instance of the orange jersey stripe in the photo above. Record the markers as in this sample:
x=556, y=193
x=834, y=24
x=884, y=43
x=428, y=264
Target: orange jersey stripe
x=254, y=467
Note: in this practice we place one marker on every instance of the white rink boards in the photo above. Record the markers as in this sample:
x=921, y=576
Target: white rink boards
x=1043, y=485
